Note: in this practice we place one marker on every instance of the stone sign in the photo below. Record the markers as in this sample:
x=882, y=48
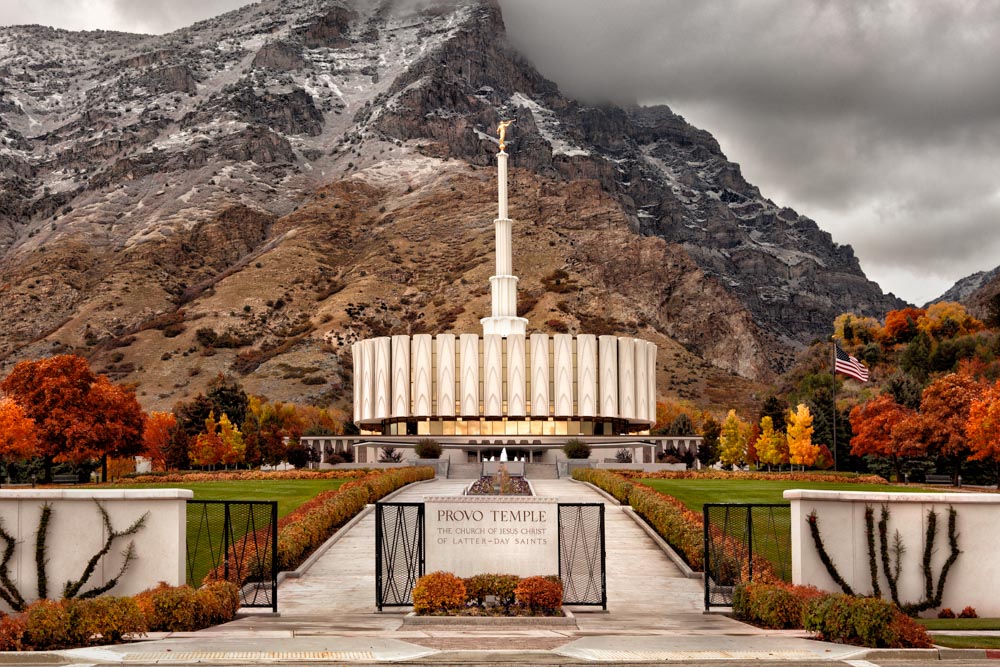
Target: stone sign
x=479, y=535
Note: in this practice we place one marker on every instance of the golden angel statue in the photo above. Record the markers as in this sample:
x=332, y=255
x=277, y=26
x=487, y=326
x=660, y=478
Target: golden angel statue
x=502, y=131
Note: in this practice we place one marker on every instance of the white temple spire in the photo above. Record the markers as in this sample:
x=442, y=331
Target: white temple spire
x=503, y=319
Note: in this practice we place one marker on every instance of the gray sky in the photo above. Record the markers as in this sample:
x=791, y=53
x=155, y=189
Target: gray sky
x=879, y=119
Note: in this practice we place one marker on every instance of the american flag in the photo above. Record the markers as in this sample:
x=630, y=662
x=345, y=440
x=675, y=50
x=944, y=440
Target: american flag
x=848, y=365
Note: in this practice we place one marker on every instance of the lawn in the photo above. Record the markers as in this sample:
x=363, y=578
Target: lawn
x=290, y=493
x=966, y=641
x=960, y=623
x=772, y=531
x=205, y=531
x=696, y=492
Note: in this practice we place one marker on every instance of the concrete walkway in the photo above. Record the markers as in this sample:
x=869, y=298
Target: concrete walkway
x=654, y=613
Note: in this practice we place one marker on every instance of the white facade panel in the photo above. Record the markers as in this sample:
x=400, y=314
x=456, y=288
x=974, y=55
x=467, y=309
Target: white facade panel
x=626, y=378
x=422, y=375
x=469, y=362
x=562, y=366
x=445, y=375
x=641, y=383
x=608, y=379
x=400, y=376
x=586, y=375
x=356, y=358
x=651, y=351
x=493, y=375
x=383, y=376
x=516, y=374
x=539, y=375
x=367, y=378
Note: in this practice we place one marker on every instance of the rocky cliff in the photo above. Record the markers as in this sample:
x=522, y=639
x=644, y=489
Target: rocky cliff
x=251, y=193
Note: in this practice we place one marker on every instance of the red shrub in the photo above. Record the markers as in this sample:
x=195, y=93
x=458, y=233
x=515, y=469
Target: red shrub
x=968, y=612
x=946, y=613
x=540, y=594
x=438, y=591
x=12, y=629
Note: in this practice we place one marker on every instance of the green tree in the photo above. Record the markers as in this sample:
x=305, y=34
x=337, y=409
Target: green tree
x=775, y=408
x=681, y=426
x=708, y=451
x=904, y=389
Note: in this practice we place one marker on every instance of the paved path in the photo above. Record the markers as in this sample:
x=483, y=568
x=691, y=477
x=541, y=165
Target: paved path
x=654, y=613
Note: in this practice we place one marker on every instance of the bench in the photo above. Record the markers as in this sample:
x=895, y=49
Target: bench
x=940, y=479
x=65, y=479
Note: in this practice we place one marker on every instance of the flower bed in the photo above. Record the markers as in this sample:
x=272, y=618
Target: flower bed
x=485, y=486
x=444, y=594
x=711, y=473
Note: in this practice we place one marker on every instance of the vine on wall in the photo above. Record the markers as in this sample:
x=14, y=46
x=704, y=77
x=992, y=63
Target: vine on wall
x=13, y=597
x=891, y=566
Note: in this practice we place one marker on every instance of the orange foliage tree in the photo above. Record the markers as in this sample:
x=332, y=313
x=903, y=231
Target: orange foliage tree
x=18, y=437
x=983, y=427
x=947, y=319
x=78, y=415
x=799, y=432
x=160, y=428
x=885, y=429
x=901, y=325
x=944, y=410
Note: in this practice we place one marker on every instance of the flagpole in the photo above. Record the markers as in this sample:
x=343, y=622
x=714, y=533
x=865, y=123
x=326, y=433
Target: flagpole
x=833, y=371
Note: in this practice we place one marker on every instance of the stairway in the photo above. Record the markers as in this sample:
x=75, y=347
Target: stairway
x=464, y=470
x=540, y=471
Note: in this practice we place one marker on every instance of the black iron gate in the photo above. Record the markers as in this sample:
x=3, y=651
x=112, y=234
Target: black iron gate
x=399, y=552
x=237, y=541
x=582, y=554
x=740, y=538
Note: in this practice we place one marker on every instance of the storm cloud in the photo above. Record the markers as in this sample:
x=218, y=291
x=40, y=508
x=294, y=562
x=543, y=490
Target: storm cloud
x=880, y=120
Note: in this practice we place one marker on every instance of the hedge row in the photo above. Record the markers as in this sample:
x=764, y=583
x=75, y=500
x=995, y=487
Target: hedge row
x=681, y=528
x=182, y=476
x=304, y=529
x=712, y=473
x=834, y=617
x=55, y=624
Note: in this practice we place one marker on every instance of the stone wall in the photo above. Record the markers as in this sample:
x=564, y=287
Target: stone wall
x=76, y=532
x=972, y=579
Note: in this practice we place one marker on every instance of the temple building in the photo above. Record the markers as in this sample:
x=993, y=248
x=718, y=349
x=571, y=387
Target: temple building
x=478, y=393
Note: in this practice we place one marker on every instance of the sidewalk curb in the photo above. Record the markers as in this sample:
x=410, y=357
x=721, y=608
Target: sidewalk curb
x=607, y=496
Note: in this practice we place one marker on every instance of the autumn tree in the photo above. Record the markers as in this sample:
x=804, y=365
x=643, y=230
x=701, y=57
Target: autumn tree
x=18, y=436
x=158, y=436
x=947, y=319
x=269, y=429
x=732, y=440
x=982, y=428
x=78, y=415
x=206, y=447
x=799, y=432
x=752, y=457
x=772, y=446
x=901, y=325
x=885, y=429
x=944, y=409
x=853, y=330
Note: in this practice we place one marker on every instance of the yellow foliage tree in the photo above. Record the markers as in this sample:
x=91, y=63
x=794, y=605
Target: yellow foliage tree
x=772, y=448
x=799, y=432
x=948, y=319
x=733, y=440
x=851, y=329
x=233, y=447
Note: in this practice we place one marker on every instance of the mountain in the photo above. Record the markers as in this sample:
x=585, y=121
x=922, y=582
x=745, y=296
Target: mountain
x=979, y=292
x=254, y=192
